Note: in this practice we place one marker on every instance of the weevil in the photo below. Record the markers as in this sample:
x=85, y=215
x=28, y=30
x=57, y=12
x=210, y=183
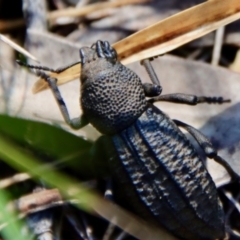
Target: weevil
x=166, y=180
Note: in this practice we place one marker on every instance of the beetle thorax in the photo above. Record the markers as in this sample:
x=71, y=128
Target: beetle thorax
x=112, y=98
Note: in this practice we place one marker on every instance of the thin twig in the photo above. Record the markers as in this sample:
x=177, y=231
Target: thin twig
x=17, y=47
x=217, y=46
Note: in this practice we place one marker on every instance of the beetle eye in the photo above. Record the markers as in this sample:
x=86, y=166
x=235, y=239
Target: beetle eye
x=114, y=54
x=109, y=52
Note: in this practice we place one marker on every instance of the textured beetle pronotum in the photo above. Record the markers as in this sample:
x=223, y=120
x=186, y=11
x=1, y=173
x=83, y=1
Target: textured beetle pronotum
x=167, y=181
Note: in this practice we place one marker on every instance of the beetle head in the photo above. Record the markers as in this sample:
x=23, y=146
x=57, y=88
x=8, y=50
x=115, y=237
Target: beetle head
x=100, y=49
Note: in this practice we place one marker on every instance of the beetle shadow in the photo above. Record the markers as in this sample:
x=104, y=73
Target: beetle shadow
x=223, y=130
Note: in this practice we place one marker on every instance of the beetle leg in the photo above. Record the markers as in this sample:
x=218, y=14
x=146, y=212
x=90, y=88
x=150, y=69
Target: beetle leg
x=188, y=99
x=208, y=148
x=58, y=70
x=152, y=74
x=75, y=123
x=152, y=90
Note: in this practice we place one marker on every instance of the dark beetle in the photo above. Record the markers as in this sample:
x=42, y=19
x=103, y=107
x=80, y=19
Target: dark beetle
x=167, y=181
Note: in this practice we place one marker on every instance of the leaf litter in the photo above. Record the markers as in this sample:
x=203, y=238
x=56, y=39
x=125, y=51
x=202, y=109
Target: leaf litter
x=220, y=123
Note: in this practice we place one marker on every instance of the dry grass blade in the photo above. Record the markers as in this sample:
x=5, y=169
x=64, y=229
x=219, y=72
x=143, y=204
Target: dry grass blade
x=80, y=12
x=71, y=12
x=178, y=30
x=167, y=35
x=17, y=47
x=37, y=201
x=11, y=24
